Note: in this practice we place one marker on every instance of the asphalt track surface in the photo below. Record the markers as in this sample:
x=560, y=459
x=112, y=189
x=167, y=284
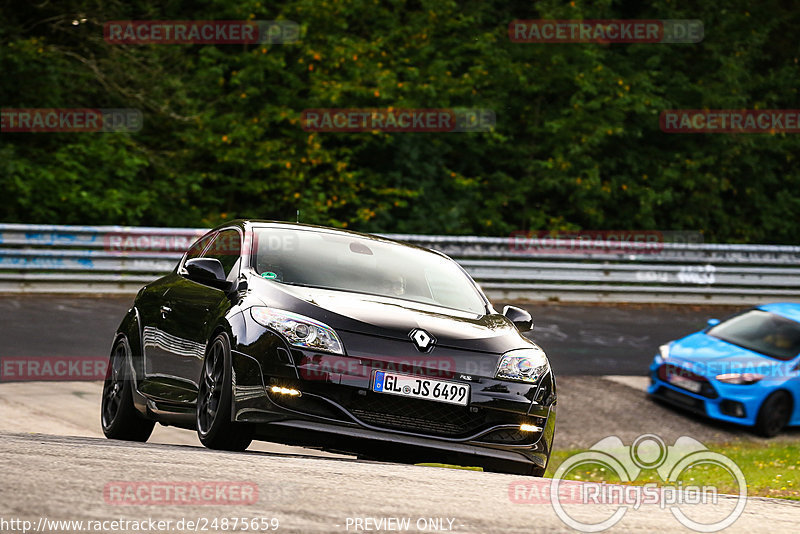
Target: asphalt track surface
x=580, y=340
x=54, y=462
x=59, y=477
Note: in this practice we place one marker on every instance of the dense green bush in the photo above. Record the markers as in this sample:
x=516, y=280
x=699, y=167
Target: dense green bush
x=577, y=143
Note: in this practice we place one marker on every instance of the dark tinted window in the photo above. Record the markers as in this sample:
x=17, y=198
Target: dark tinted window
x=372, y=266
x=227, y=248
x=197, y=248
x=763, y=332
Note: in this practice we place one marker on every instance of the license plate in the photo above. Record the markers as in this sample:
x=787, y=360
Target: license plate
x=419, y=387
x=685, y=383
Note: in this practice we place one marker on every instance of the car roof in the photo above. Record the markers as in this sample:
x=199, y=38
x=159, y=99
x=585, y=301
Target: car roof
x=790, y=310
x=245, y=224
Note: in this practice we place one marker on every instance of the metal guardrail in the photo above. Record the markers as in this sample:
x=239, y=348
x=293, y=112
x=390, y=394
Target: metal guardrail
x=115, y=259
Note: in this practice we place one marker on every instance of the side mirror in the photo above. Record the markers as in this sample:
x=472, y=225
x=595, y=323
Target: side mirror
x=712, y=322
x=207, y=271
x=521, y=319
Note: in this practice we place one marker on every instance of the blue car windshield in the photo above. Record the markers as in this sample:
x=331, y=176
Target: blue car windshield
x=762, y=332
x=363, y=265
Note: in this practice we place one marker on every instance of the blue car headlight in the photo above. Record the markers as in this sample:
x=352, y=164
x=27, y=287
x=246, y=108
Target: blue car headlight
x=524, y=365
x=740, y=379
x=299, y=330
x=663, y=351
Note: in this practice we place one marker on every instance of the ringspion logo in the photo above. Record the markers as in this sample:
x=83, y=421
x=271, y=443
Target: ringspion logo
x=648, y=452
x=606, y=31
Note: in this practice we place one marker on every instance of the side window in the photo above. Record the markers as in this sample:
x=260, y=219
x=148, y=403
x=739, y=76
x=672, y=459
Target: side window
x=197, y=248
x=226, y=247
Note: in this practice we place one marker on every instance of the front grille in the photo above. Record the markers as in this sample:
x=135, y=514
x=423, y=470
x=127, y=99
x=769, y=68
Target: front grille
x=401, y=413
x=682, y=399
x=415, y=415
x=415, y=424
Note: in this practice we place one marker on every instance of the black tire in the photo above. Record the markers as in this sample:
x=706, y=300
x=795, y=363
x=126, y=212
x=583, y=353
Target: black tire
x=538, y=472
x=515, y=468
x=214, y=426
x=119, y=418
x=774, y=414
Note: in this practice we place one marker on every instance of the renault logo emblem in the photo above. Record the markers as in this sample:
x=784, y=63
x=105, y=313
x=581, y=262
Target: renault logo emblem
x=423, y=340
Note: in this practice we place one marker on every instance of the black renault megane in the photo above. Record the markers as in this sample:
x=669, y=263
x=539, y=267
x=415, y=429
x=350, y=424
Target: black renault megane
x=350, y=342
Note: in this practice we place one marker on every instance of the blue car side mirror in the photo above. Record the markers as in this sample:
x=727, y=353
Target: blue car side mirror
x=712, y=322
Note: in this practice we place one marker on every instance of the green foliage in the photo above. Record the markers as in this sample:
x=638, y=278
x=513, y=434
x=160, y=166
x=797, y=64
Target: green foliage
x=577, y=143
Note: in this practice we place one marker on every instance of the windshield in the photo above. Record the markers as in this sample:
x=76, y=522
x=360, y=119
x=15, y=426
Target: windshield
x=763, y=332
x=363, y=265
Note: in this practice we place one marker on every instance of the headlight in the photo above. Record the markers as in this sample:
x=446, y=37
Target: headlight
x=299, y=330
x=663, y=350
x=740, y=379
x=526, y=365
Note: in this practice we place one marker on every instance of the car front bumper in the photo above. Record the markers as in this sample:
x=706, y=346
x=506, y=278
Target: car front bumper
x=738, y=404
x=339, y=411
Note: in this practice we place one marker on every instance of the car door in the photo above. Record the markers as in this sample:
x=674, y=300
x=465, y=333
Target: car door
x=793, y=385
x=191, y=311
x=158, y=381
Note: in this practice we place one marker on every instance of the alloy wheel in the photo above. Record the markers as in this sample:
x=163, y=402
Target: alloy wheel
x=211, y=384
x=114, y=386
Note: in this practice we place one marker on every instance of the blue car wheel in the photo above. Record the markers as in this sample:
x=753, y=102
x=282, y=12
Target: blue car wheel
x=774, y=414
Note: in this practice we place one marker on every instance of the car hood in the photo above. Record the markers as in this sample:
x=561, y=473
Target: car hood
x=710, y=356
x=395, y=318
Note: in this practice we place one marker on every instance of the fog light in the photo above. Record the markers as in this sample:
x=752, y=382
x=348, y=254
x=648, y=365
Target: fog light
x=529, y=428
x=732, y=408
x=286, y=391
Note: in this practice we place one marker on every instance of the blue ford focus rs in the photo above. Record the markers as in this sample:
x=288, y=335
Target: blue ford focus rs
x=743, y=370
